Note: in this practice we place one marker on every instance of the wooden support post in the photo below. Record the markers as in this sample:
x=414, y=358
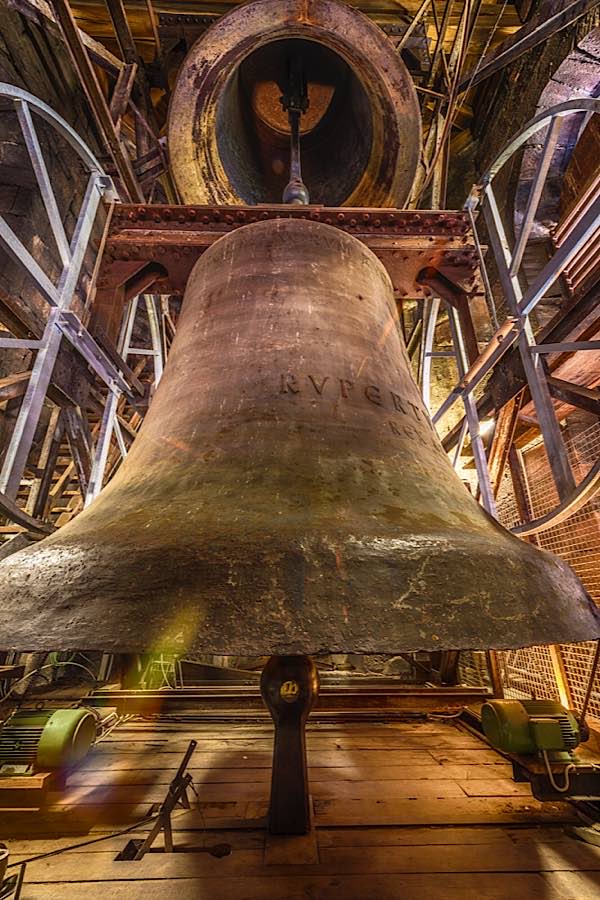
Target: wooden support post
x=80, y=446
x=96, y=99
x=123, y=33
x=122, y=93
x=504, y=433
x=45, y=464
x=493, y=667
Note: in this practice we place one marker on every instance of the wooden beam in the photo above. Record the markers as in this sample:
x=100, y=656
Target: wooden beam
x=15, y=319
x=575, y=395
x=122, y=93
x=80, y=444
x=13, y=512
x=40, y=12
x=96, y=99
x=529, y=36
x=39, y=494
x=123, y=33
x=13, y=386
x=504, y=432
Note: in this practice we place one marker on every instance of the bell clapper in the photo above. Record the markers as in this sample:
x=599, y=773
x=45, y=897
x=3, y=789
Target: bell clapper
x=295, y=103
x=289, y=687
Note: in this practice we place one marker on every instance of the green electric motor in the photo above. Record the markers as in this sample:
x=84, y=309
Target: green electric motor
x=44, y=740
x=530, y=726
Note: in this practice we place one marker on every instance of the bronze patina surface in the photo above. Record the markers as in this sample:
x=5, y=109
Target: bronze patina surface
x=287, y=493
x=228, y=138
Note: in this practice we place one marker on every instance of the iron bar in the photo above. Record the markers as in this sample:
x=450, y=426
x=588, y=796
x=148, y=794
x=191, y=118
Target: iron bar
x=464, y=428
x=23, y=433
x=582, y=494
x=19, y=344
x=84, y=343
x=47, y=113
x=581, y=233
x=430, y=314
x=414, y=22
x=483, y=476
x=22, y=257
x=474, y=375
x=527, y=37
x=102, y=447
x=566, y=347
x=536, y=379
x=489, y=296
x=155, y=336
x=535, y=194
x=43, y=179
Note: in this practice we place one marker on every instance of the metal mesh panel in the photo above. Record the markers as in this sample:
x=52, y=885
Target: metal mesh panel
x=472, y=668
x=529, y=672
x=577, y=659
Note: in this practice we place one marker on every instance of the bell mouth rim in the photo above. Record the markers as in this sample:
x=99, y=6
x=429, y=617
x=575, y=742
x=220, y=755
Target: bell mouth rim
x=303, y=604
x=198, y=168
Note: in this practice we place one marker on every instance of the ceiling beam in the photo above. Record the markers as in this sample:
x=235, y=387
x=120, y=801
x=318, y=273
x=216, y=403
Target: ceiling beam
x=527, y=37
x=40, y=12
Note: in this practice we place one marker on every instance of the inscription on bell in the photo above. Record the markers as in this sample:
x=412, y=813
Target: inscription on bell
x=344, y=389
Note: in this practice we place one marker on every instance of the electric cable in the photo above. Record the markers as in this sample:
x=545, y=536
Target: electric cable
x=53, y=665
x=567, y=770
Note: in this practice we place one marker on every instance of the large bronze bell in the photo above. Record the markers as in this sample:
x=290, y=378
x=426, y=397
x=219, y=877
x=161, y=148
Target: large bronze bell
x=287, y=493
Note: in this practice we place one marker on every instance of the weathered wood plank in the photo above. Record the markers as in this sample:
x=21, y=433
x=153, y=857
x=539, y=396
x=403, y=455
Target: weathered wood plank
x=499, y=787
x=102, y=817
x=473, y=810
x=260, y=759
x=214, y=774
x=239, y=840
x=314, y=742
x=479, y=756
x=498, y=886
x=566, y=856
x=573, y=885
x=84, y=795
x=433, y=835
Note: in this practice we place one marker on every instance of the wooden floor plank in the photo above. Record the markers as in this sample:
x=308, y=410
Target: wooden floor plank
x=574, y=885
x=239, y=840
x=314, y=742
x=433, y=835
x=470, y=811
x=201, y=776
x=569, y=856
x=82, y=795
x=380, y=887
x=498, y=787
x=150, y=759
x=411, y=810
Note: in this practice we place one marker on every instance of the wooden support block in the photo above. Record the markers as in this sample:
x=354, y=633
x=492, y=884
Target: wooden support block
x=25, y=791
x=293, y=850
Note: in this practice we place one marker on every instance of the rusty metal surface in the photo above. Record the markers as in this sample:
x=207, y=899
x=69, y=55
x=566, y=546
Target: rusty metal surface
x=364, y=151
x=287, y=493
x=173, y=237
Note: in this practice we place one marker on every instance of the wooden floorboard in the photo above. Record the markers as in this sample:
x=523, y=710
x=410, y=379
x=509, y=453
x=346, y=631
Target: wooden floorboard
x=530, y=886
x=417, y=810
